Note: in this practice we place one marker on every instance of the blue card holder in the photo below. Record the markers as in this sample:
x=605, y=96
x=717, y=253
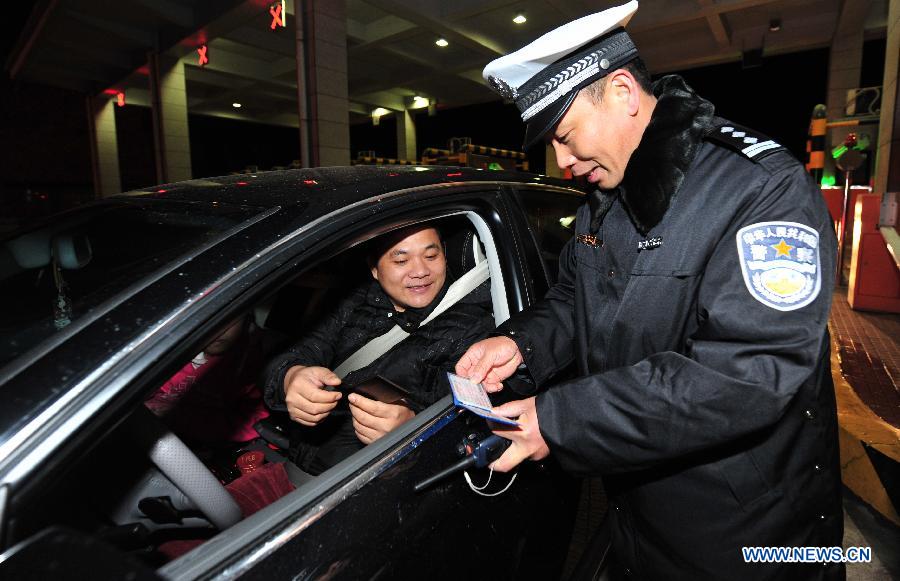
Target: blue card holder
x=472, y=396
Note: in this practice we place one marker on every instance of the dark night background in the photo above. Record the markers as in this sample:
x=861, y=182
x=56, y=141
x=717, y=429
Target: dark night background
x=46, y=148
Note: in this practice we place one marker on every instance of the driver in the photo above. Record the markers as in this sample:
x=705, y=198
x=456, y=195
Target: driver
x=410, y=278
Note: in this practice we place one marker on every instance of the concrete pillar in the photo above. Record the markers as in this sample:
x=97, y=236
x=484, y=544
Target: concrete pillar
x=322, y=82
x=101, y=113
x=552, y=168
x=406, y=135
x=168, y=101
x=887, y=161
x=844, y=66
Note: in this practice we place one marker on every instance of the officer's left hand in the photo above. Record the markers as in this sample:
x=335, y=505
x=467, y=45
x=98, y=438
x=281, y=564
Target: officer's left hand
x=527, y=441
x=373, y=419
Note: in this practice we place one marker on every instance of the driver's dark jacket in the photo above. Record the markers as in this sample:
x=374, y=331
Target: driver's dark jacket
x=710, y=415
x=416, y=363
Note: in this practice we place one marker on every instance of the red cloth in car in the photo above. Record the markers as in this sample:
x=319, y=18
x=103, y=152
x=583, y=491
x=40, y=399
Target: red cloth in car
x=252, y=492
x=260, y=488
x=213, y=399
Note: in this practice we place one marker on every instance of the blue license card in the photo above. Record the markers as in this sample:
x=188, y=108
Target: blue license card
x=473, y=397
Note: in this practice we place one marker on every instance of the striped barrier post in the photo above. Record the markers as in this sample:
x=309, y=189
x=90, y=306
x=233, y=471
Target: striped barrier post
x=815, y=144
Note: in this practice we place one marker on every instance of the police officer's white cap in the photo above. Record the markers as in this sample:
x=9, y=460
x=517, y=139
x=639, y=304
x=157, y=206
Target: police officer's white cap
x=544, y=77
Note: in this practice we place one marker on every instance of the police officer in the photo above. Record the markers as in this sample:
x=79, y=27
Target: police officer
x=693, y=300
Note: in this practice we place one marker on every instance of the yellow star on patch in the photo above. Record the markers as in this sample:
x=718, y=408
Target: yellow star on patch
x=782, y=249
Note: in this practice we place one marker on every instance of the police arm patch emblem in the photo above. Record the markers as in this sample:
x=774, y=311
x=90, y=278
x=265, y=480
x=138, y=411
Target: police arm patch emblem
x=780, y=263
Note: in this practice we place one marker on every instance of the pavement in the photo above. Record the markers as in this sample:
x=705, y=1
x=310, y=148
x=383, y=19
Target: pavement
x=865, y=527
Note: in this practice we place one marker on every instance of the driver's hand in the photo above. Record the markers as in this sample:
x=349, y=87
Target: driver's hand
x=307, y=402
x=373, y=419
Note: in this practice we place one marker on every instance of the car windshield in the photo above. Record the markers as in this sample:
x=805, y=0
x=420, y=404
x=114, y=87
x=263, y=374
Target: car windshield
x=56, y=272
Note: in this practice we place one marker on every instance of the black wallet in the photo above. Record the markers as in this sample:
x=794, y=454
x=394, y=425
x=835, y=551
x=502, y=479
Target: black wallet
x=380, y=389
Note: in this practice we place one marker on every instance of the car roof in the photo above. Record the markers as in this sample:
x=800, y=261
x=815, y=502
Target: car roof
x=321, y=188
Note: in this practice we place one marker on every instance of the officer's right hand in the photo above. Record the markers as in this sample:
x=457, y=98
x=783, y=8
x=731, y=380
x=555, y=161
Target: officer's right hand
x=490, y=361
x=307, y=402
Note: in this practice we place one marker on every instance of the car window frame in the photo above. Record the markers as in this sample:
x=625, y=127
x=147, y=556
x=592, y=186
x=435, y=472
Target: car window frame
x=298, y=510
x=534, y=254
x=112, y=385
x=81, y=403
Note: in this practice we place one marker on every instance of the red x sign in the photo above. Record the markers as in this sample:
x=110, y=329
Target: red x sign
x=202, y=52
x=277, y=12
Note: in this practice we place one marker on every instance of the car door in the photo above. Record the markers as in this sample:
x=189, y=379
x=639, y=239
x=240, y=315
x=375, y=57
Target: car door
x=549, y=221
x=362, y=518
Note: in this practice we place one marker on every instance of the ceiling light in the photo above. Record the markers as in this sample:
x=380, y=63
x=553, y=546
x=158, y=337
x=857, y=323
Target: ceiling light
x=520, y=19
x=775, y=25
x=379, y=111
x=419, y=102
x=236, y=105
x=441, y=42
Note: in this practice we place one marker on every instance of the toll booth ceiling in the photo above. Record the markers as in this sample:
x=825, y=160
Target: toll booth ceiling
x=94, y=46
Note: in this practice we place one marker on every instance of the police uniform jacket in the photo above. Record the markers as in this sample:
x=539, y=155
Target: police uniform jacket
x=694, y=302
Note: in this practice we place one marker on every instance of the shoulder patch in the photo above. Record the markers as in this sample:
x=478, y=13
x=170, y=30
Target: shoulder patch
x=780, y=263
x=747, y=142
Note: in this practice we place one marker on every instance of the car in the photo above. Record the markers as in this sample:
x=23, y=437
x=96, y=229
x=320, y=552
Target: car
x=107, y=301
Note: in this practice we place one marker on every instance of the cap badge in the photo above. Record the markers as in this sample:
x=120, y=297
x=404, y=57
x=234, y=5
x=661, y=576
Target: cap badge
x=500, y=86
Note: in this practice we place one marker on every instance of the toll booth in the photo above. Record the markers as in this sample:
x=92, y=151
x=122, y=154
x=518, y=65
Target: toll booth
x=368, y=157
x=461, y=152
x=874, y=277
x=868, y=267
x=834, y=199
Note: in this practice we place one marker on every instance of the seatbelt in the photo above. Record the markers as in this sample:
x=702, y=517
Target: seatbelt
x=380, y=345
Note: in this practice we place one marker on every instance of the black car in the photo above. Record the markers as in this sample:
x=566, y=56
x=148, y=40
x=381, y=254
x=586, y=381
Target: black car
x=107, y=301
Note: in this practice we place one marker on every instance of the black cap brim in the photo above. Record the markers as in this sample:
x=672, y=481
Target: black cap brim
x=546, y=120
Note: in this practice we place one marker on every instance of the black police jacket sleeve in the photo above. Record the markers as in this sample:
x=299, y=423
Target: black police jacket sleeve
x=735, y=372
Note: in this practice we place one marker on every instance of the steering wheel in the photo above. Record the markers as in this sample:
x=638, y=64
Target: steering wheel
x=182, y=467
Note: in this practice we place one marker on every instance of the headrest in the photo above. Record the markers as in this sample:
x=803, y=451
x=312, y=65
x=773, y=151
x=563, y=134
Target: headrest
x=464, y=251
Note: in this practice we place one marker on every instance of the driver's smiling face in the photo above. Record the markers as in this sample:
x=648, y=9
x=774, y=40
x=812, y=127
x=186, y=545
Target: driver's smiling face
x=412, y=272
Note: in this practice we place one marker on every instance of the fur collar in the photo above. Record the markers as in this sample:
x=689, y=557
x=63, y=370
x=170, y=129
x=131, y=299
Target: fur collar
x=658, y=165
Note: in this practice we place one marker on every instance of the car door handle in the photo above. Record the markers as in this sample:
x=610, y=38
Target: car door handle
x=483, y=453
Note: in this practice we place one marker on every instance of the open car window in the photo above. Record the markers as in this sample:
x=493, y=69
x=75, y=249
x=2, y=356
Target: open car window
x=298, y=308
x=128, y=490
